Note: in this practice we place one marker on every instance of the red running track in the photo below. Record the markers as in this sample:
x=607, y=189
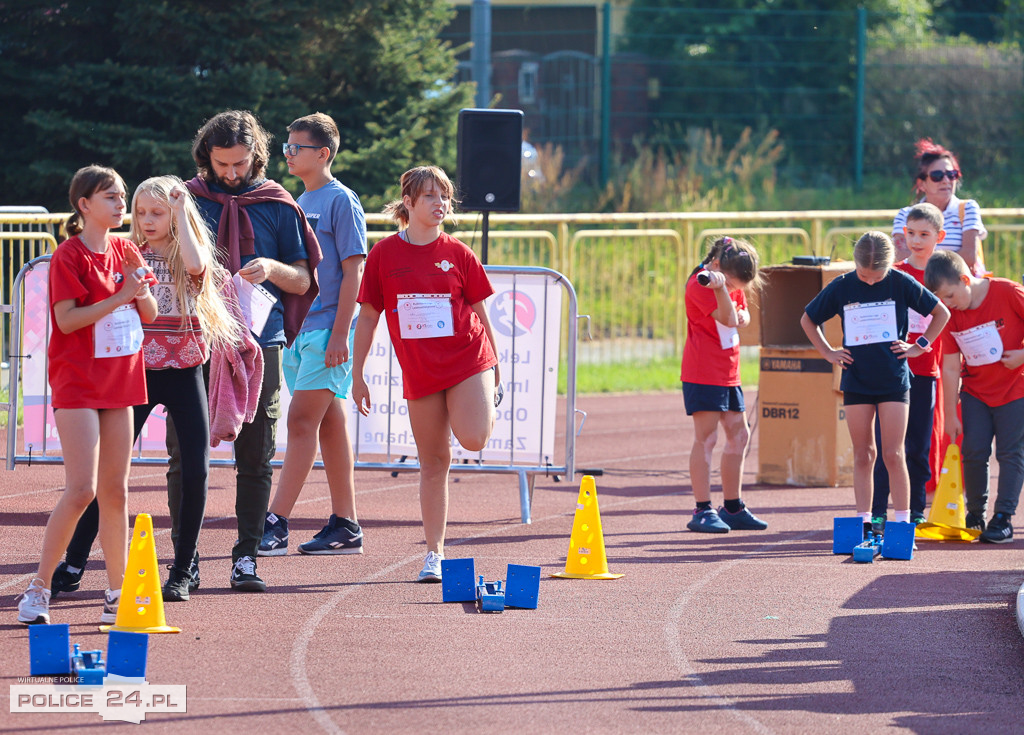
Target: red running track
x=748, y=632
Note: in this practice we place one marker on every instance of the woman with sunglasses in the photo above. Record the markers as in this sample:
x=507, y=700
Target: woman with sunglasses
x=938, y=176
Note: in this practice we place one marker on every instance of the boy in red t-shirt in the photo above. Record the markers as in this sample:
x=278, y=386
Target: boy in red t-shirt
x=983, y=365
x=923, y=232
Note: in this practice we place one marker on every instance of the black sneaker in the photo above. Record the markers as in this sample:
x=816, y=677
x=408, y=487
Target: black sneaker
x=974, y=522
x=999, y=530
x=275, y=536
x=244, y=577
x=176, y=588
x=193, y=571
x=64, y=580
x=334, y=538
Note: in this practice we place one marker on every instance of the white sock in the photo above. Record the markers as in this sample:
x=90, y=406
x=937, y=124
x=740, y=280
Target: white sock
x=902, y=516
x=866, y=517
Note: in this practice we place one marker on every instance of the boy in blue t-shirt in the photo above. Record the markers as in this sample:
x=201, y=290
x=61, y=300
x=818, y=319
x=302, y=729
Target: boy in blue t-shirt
x=318, y=366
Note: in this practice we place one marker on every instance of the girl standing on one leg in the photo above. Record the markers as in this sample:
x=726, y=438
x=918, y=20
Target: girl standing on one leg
x=715, y=306
x=448, y=380
x=874, y=300
x=98, y=299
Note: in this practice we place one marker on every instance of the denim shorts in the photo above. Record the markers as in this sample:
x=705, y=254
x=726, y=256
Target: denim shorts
x=304, y=368
x=718, y=398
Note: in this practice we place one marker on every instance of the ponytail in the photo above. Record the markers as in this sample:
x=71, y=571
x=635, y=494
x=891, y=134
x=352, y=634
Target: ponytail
x=397, y=211
x=736, y=258
x=72, y=225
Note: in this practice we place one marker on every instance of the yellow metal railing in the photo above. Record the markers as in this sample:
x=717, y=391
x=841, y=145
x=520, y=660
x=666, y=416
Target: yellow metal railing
x=629, y=269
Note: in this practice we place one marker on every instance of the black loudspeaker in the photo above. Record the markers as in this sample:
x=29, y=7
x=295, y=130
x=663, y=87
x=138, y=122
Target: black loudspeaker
x=490, y=160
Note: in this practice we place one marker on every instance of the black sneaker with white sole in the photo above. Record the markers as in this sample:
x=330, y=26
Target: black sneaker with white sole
x=244, y=577
x=66, y=579
x=999, y=530
x=974, y=522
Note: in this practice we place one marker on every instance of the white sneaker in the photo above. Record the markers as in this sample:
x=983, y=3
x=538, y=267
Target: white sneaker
x=431, y=571
x=34, y=606
x=110, y=600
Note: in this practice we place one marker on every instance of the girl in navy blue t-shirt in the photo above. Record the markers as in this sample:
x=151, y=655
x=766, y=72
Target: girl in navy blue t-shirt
x=874, y=300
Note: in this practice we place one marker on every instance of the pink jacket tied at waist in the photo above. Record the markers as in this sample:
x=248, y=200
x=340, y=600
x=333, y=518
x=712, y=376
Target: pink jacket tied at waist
x=236, y=377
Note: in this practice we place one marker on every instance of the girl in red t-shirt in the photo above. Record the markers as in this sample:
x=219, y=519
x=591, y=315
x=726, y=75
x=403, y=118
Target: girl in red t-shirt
x=192, y=318
x=715, y=306
x=449, y=384
x=99, y=297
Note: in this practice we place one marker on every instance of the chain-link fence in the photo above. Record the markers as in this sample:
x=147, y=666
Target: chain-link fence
x=849, y=91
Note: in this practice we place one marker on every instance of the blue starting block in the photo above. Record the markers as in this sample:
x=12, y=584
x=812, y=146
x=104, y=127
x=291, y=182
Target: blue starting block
x=49, y=650
x=847, y=533
x=88, y=667
x=489, y=596
x=458, y=580
x=866, y=551
x=51, y=654
x=898, y=542
x=522, y=585
x=127, y=653
x=459, y=583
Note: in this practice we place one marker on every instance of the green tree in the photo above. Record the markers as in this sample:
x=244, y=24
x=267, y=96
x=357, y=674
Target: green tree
x=128, y=84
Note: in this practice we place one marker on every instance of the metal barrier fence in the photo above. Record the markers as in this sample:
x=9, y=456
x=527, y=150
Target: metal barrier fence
x=528, y=321
x=630, y=269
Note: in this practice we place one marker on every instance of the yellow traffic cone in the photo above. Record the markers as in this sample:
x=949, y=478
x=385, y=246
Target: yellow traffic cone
x=947, y=519
x=141, y=609
x=586, y=558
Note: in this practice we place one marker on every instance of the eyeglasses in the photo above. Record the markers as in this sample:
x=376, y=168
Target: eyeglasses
x=292, y=149
x=937, y=176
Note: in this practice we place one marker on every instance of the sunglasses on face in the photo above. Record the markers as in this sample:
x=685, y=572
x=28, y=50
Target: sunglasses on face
x=937, y=176
x=292, y=149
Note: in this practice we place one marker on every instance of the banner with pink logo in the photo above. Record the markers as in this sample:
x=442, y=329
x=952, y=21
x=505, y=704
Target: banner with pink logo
x=525, y=312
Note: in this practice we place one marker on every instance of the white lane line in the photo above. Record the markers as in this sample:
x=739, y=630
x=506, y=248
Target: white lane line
x=300, y=678
x=678, y=654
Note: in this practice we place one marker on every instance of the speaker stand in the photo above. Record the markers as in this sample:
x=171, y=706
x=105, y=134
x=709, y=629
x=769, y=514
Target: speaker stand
x=483, y=236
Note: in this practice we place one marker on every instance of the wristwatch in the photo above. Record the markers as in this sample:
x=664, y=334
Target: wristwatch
x=922, y=342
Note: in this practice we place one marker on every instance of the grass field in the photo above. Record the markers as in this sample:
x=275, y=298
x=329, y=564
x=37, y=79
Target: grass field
x=648, y=376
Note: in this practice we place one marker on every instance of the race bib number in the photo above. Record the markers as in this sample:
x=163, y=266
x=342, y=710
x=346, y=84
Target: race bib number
x=865, y=324
x=980, y=345
x=119, y=333
x=424, y=316
x=728, y=337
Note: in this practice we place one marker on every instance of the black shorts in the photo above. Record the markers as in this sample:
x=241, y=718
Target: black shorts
x=718, y=398
x=870, y=399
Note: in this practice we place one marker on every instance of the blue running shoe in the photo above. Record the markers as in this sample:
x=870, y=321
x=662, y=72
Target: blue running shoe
x=707, y=521
x=742, y=520
x=275, y=536
x=334, y=538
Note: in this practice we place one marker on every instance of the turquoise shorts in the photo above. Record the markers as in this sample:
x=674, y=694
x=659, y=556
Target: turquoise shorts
x=304, y=367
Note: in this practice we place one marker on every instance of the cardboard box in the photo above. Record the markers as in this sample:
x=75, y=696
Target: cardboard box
x=803, y=437
x=787, y=290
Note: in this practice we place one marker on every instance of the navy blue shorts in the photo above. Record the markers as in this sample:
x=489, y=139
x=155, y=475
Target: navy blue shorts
x=868, y=399
x=719, y=398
